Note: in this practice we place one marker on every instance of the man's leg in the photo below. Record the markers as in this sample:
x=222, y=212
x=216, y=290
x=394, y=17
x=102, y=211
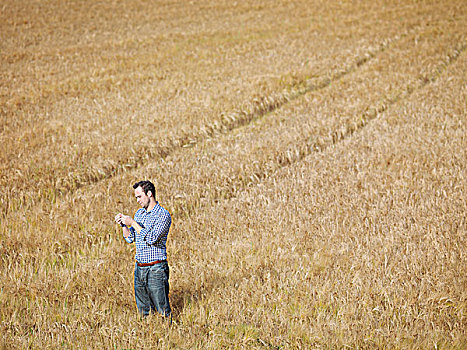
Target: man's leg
x=158, y=288
x=141, y=292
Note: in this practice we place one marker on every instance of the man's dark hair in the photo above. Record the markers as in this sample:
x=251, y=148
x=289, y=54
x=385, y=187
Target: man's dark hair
x=146, y=187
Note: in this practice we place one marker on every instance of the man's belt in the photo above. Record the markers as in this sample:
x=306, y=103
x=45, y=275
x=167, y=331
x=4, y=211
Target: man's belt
x=150, y=263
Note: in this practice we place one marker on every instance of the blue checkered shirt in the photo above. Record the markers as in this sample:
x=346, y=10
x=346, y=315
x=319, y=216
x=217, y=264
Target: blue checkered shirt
x=151, y=241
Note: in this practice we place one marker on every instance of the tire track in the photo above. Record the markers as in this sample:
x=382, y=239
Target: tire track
x=215, y=171
x=296, y=154
x=228, y=122
x=53, y=186
x=229, y=188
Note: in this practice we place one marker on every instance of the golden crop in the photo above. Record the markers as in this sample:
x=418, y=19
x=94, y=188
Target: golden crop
x=312, y=153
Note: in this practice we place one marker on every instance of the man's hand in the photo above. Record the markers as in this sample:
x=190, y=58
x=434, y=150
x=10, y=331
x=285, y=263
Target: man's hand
x=118, y=219
x=124, y=220
x=127, y=220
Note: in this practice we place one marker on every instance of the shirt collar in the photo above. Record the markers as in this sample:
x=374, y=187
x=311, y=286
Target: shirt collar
x=155, y=207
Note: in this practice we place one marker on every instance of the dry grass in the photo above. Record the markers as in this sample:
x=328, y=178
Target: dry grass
x=312, y=155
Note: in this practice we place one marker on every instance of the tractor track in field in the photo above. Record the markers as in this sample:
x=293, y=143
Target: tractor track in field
x=229, y=122
x=301, y=150
x=298, y=153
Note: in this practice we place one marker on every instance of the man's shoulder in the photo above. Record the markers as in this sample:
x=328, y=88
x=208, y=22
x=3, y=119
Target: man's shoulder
x=162, y=211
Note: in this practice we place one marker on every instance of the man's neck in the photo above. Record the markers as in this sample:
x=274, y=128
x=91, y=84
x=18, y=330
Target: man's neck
x=151, y=205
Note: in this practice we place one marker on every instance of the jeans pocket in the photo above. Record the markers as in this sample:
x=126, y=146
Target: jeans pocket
x=159, y=271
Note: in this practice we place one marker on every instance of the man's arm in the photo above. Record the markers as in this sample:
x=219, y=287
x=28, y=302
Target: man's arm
x=156, y=228
x=126, y=231
x=129, y=221
x=127, y=234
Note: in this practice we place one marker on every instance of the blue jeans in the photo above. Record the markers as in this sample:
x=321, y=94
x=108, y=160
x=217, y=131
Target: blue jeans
x=152, y=289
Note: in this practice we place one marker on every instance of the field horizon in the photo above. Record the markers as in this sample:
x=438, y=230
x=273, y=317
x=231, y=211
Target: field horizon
x=312, y=155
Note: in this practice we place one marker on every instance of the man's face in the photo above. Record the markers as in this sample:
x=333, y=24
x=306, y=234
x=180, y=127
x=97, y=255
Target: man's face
x=141, y=197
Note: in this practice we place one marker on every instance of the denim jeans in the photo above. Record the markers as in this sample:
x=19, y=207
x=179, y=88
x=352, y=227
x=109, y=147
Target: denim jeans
x=152, y=289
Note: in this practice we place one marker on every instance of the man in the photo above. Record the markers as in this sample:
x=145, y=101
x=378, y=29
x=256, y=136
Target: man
x=149, y=230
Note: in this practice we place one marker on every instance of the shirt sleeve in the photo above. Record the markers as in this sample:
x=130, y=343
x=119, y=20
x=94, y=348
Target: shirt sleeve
x=157, y=228
x=131, y=236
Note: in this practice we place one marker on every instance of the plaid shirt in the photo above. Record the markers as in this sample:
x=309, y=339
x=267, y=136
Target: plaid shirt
x=151, y=241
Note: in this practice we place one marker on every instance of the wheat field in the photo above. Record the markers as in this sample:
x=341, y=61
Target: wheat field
x=312, y=155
